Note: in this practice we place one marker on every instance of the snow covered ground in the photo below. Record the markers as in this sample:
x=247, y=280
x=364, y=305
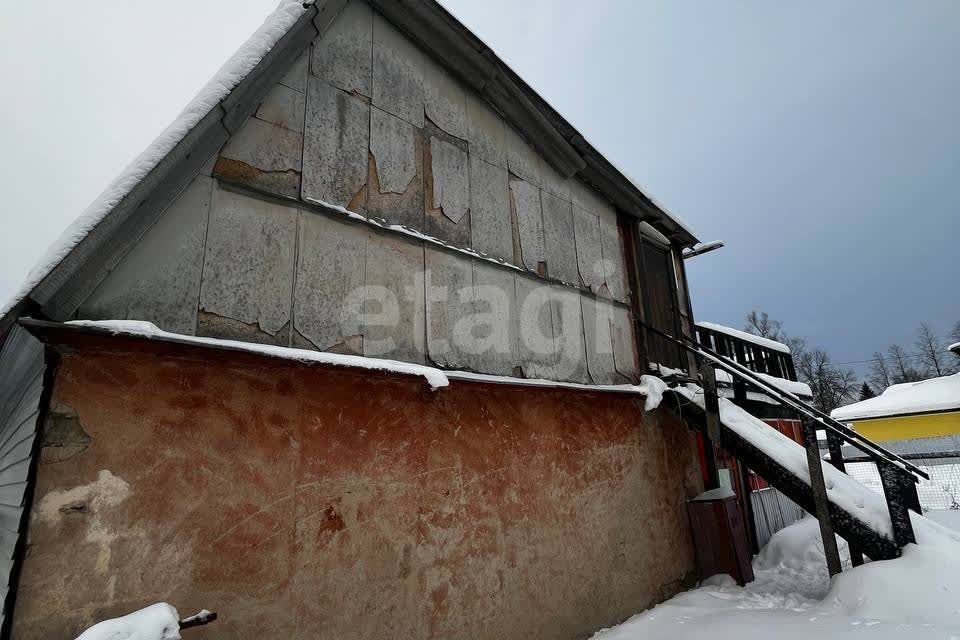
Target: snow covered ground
x=916, y=596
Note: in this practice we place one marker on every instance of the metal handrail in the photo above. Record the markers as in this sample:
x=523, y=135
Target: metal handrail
x=877, y=452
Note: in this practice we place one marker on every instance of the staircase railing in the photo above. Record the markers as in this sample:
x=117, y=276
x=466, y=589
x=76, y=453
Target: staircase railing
x=898, y=476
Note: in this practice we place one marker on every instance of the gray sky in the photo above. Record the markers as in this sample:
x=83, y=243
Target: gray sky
x=820, y=140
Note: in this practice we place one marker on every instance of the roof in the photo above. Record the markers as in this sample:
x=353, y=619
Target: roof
x=747, y=337
x=61, y=280
x=911, y=398
x=955, y=347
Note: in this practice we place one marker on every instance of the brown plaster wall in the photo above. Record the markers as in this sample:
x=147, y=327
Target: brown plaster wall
x=309, y=502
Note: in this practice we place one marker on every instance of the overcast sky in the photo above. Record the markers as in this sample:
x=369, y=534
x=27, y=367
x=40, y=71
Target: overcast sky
x=820, y=140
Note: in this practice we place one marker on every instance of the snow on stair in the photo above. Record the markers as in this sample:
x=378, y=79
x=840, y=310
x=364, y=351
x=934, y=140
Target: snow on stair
x=842, y=490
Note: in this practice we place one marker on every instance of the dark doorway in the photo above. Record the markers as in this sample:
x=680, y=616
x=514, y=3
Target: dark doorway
x=659, y=304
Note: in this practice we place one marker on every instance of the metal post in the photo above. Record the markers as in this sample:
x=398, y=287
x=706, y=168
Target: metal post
x=893, y=490
x=836, y=459
x=820, y=500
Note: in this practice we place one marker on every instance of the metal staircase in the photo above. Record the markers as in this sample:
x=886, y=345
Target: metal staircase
x=898, y=476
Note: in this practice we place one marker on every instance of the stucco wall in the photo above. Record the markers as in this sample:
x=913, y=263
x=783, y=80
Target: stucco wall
x=327, y=503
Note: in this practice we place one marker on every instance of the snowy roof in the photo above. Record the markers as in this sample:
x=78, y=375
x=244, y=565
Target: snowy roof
x=747, y=337
x=926, y=396
x=955, y=347
x=237, y=69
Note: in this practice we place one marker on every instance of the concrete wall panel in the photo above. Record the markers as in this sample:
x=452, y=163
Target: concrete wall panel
x=247, y=287
x=296, y=77
x=586, y=228
x=490, y=225
x=336, y=142
x=495, y=327
x=396, y=170
x=394, y=306
x=331, y=262
x=451, y=182
x=624, y=343
x=537, y=348
x=283, y=106
x=397, y=73
x=598, y=318
x=159, y=280
x=445, y=100
x=614, y=264
x=486, y=132
x=525, y=199
x=571, y=357
x=553, y=183
x=343, y=55
x=558, y=234
x=264, y=156
x=522, y=160
x=449, y=294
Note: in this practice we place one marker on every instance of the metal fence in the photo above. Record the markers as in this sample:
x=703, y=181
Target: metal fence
x=941, y=491
x=772, y=511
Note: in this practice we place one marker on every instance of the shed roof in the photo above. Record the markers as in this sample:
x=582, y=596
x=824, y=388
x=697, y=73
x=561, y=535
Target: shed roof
x=747, y=337
x=911, y=398
x=62, y=278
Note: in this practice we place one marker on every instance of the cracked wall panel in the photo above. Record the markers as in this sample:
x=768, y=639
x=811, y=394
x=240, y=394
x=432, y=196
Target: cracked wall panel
x=396, y=170
x=336, y=146
x=586, y=198
x=558, y=235
x=624, y=343
x=445, y=100
x=330, y=276
x=394, y=299
x=526, y=205
x=567, y=314
x=586, y=227
x=284, y=107
x=598, y=318
x=522, y=160
x=263, y=155
x=247, y=286
x=296, y=77
x=491, y=229
x=496, y=348
x=343, y=55
x=614, y=264
x=553, y=183
x=397, y=73
x=449, y=308
x=535, y=328
x=159, y=279
x=451, y=183
x=486, y=132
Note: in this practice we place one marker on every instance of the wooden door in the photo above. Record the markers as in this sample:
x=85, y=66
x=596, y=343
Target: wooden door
x=659, y=305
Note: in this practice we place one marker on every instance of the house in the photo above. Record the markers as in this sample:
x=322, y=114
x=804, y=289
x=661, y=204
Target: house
x=352, y=347
x=927, y=410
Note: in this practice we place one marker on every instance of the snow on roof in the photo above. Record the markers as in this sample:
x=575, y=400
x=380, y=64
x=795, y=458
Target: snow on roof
x=748, y=337
x=926, y=396
x=790, y=386
x=219, y=87
x=955, y=347
x=650, y=387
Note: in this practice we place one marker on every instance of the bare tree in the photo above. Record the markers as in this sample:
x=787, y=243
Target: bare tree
x=880, y=377
x=899, y=361
x=830, y=385
x=933, y=352
x=760, y=324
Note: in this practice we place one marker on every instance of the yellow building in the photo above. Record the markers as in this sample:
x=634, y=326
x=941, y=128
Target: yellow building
x=925, y=409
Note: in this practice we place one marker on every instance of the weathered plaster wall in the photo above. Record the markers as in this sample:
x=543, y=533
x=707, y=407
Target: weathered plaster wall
x=302, y=502
x=367, y=121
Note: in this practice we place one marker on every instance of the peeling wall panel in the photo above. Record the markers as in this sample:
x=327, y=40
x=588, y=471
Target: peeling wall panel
x=486, y=132
x=445, y=100
x=495, y=327
x=330, y=276
x=449, y=311
x=343, y=55
x=624, y=343
x=284, y=107
x=526, y=205
x=558, y=234
x=451, y=183
x=159, y=279
x=586, y=228
x=614, y=264
x=396, y=170
x=247, y=286
x=522, y=160
x=567, y=314
x=491, y=229
x=536, y=340
x=335, y=149
x=394, y=306
x=598, y=318
x=263, y=155
x=397, y=73
x=553, y=183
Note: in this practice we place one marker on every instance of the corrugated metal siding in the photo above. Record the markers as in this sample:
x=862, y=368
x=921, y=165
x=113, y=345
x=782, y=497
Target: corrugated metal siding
x=773, y=511
x=21, y=384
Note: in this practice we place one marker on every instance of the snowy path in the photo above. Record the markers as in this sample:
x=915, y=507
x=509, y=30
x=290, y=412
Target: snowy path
x=916, y=596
